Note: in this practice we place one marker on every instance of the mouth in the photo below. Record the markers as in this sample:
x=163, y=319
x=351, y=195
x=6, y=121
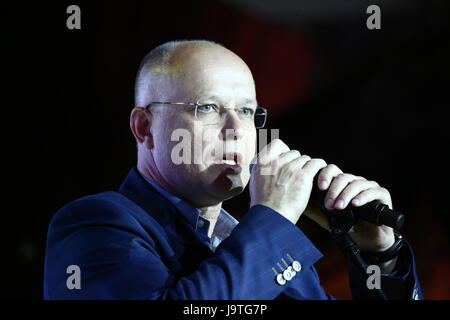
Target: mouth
x=231, y=160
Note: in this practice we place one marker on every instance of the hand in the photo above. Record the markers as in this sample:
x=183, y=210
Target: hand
x=282, y=179
x=344, y=189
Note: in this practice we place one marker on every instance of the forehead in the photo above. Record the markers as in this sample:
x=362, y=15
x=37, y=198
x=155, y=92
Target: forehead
x=218, y=75
x=218, y=84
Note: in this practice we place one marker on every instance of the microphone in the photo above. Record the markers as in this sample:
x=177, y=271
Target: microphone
x=374, y=212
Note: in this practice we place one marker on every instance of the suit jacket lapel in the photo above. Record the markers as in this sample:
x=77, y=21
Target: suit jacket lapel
x=161, y=209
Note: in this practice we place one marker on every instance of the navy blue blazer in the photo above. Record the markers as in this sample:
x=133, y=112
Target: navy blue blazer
x=134, y=244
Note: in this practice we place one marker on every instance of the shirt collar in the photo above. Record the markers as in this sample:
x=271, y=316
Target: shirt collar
x=225, y=222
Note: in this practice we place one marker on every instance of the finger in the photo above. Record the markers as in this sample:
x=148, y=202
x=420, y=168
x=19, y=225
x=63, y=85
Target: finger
x=326, y=175
x=312, y=166
x=279, y=162
x=337, y=185
x=291, y=170
x=296, y=164
x=351, y=190
x=377, y=193
x=271, y=151
x=300, y=161
x=286, y=158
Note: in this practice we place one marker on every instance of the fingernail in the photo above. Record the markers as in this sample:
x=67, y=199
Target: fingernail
x=340, y=204
x=356, y=201
x=323, y=184
x=329, y=203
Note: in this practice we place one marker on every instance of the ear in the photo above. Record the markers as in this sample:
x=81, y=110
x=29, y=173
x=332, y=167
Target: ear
x=140, y=123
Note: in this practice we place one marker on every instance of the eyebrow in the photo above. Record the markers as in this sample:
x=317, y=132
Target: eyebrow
x=216, y=98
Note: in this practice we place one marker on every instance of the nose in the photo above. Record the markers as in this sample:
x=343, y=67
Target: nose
x=232, y=126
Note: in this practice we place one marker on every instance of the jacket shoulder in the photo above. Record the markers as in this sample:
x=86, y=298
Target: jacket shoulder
x=107, y=208
x=94, y=205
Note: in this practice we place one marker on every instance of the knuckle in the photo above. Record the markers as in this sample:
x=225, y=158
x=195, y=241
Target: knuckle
x=300, y=176
x=320, y=162
x=289, y=171
x=261, y=161
x=358, y=183
x=292, y=170
x=384, y=190
x=277, y=143
x=276, y=163
x=334, y=167
x=296, y=153
x=369, y=183
x=306, y=157
x=349, y=177
x=370, y=191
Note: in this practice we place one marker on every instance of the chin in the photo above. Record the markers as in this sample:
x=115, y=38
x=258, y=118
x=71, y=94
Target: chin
x=228, y=186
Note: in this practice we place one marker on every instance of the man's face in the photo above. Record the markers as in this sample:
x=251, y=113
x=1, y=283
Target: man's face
x=209, y=77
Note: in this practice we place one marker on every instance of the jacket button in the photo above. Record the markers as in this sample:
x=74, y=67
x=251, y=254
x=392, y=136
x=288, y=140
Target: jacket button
x=296, y=266
x=291, y=270
x=287, y=275
x=281, y=281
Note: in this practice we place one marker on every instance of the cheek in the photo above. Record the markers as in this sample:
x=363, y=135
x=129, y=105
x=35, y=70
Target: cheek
x=249, y=155
x=250, y=146
x=163, y=148
x=173, y=140
x=207, y=146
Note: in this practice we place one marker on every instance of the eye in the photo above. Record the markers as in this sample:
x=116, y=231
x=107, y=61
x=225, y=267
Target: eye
x=247, y=112
x=207, y=108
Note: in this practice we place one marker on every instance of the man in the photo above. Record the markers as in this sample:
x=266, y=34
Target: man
x=164, y=235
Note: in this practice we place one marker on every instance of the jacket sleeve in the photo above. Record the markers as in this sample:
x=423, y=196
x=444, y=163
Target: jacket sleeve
x=401, y=284
x=118, y=261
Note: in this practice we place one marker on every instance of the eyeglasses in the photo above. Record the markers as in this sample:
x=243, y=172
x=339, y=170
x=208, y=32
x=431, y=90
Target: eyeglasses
x=210, y=114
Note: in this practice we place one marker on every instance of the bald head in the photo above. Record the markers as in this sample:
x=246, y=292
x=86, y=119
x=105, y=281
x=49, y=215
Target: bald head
x=200, y=72
x=171, y=63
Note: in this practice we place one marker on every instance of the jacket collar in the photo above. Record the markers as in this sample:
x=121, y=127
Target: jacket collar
x=148, y=198
x=138, y=190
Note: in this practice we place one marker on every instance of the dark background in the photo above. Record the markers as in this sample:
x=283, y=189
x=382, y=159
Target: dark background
x=371, y=101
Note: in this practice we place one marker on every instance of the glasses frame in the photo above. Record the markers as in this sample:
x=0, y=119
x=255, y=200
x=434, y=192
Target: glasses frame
x=259, y=110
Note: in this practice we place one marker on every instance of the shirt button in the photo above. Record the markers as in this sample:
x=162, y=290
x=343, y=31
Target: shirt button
x=281, y=281
x=296, y=266
x=200, y=223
